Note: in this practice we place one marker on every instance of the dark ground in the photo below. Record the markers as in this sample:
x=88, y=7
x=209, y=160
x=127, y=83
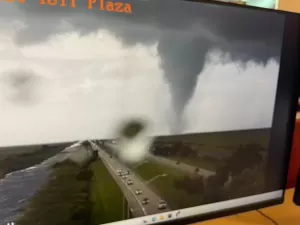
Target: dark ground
x=21, y=157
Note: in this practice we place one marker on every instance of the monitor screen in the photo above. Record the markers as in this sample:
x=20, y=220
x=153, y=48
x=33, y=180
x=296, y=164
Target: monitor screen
x=136, y=112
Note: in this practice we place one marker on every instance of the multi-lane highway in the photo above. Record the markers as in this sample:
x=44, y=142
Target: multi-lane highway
x=181, y=166
x=135, y=201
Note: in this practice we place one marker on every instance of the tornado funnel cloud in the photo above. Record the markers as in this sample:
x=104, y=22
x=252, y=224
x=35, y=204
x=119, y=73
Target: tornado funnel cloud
x=182, y=60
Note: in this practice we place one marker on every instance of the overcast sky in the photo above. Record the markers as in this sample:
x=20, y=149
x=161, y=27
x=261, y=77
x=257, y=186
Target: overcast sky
x=186, y=67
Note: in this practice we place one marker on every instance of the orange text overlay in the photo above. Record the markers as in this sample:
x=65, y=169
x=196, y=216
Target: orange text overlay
x=102, y=5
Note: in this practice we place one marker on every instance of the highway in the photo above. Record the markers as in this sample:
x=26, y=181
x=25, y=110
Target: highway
x=134, y=201
x=181, y=166
x=172, y=163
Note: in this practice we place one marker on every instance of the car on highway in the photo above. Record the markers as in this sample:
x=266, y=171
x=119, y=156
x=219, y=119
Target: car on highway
x=124, y=176
x=129, y=182
x=162, y=204
x=138, y=192
x=145, y=201
x=119, y=171
x=127, y=172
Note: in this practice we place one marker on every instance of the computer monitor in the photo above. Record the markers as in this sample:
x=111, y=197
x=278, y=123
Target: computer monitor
x=143, y=112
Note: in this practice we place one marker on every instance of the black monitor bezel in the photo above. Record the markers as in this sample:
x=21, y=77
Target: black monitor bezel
x=283, y=117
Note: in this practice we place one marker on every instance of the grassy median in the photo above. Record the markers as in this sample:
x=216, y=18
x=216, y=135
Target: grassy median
x=107, y=199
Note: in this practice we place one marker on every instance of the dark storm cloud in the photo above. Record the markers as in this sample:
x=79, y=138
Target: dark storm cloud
x=22, y=86
x=244, y=34
x=179, y=54
x=228, y=22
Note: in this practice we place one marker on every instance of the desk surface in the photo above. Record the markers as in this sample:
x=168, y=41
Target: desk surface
x=285, y=214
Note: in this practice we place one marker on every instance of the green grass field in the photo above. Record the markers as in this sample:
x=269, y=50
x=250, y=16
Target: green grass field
x=164, y=186
x=63, y=200
x=205, y=162
x=222, y=140
x=21, y=157
x=106, y=196
x=67, y=200
x=213, y=147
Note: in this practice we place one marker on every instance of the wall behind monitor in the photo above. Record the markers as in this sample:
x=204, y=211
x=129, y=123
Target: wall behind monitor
x=293, y=6
x=289, y=5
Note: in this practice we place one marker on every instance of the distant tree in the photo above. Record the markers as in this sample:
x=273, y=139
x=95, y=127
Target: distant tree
x=214, y=194
x=246, y=156
x=248, y=182
x=190, y=184
x=86, y=144
x=161, y=150
x=44, y=147
x=246, y=165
